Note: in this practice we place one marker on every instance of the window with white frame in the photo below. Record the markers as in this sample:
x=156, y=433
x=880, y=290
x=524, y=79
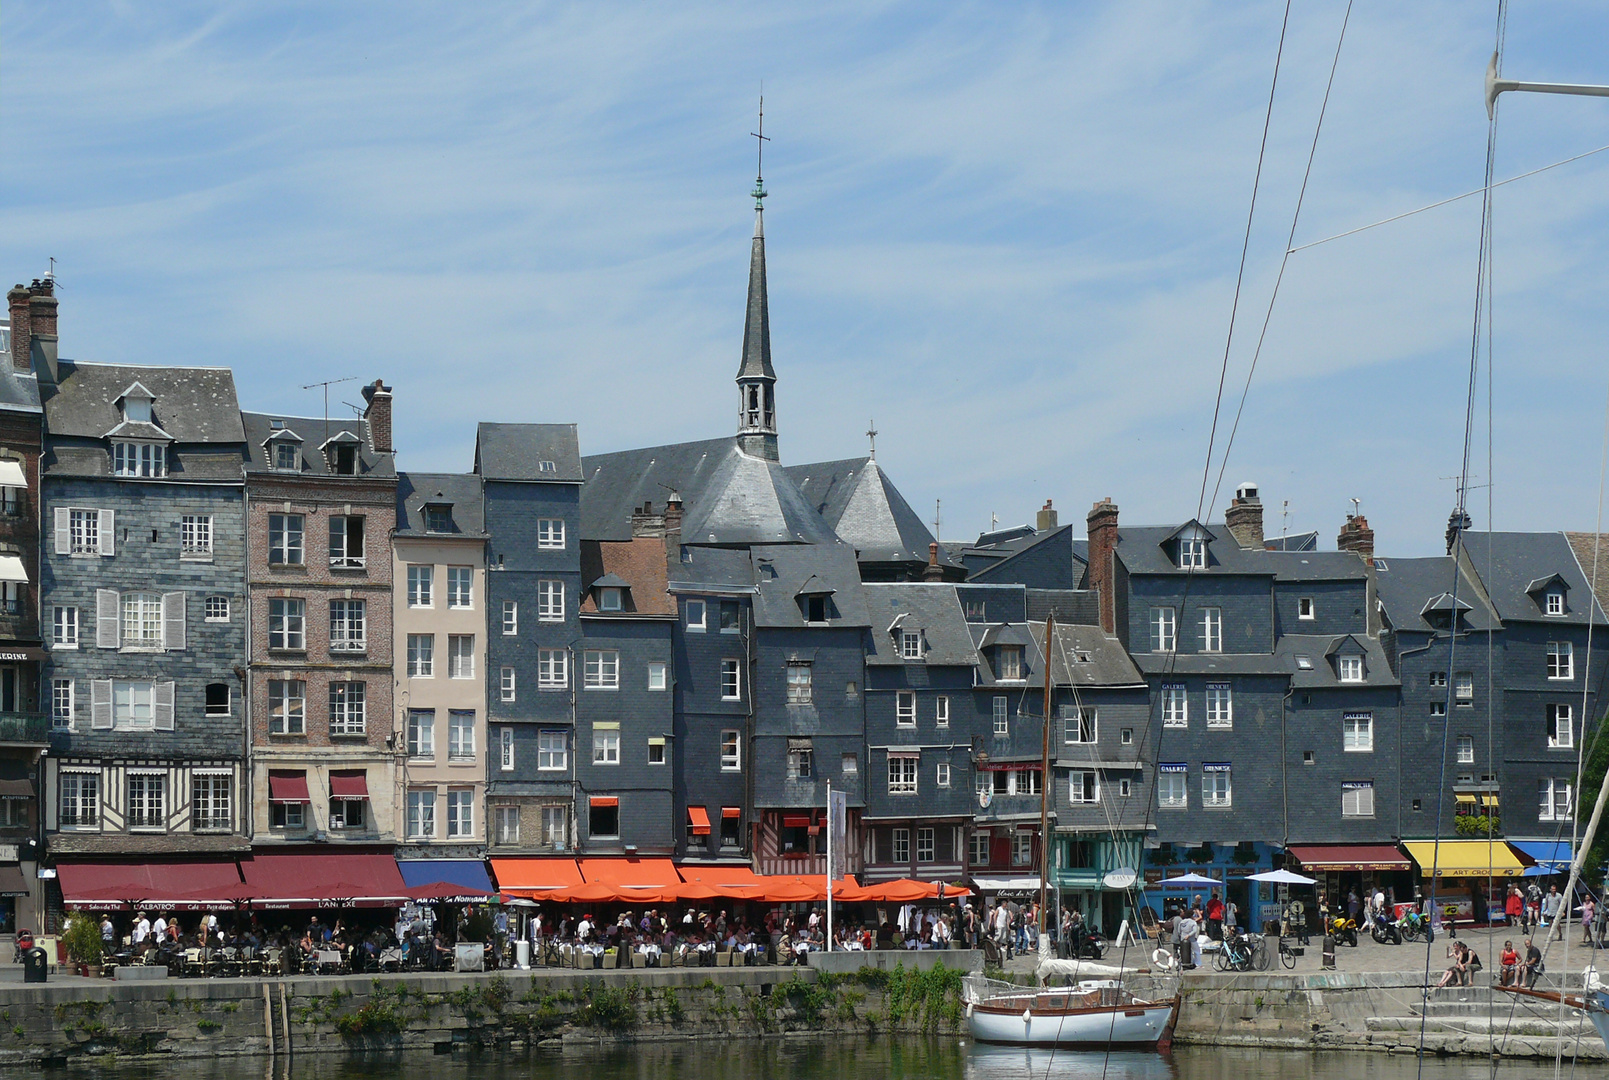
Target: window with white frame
x=731, y=681
x=941, y=710
x=1357, y=732
x=421, y=578
x=506, y=684
x=731, y=751
x=1124, y=788
x=461, y=587
x=1002, y=722
x=556, y=827
x=1304, y=608
x=1555, y=798
x=511, y=618
x=287, y=623
x=800, y=688
x=210, y=802
x=218, y=700
x=552, y=750
x=1163, y=623
x=461, y=735
x=1216, y=792
x=1083, y=786
x=900, y=845
x=64, y=627
x=1022, y=848
x=1078, y=723
x=910, y=645
x=1561, y=660
x=147, y=800
x=89, y=532
x=697, y=613
x=508, y=824
x=287, y=815
x=1220, y=707
x=285, y=457
x=1560, y=726
x=978, y=848
x=550, y=533
x=610, y=598
x=905, y=708
x=658, y=675
x=801, y=759
x=549, y=601
x=144, y=460
x=421, y=656
x=1357, y=798
x=439, y=518
x=505, y=749
x=942, y=779
x=1349, y=668
x=606, y=744
x=656, y=750
x=287, y=707
x=285, y=541
x=1008, y=659
x=63, y=703
x=902, y=773
x=195, y=535
x=421, y=814
x=925, y=845
x=1438, y=708
x=80, y=800
x=348, y=708
x=422, y=734
x=1212, y=629
x=552, y=669
x=460, y=812
x=849, y=765
x=601, y=669
x=1554, y=602
x=1025, y=781
x=134, y=704
x=142, y=620
x=1466, y=750
x=1192, y=553
x=349, y=626
x=1438, y=679
x=1175, y=706
x=1464, y=688
x=346, y=542
x=460, y=656
x=216, y=609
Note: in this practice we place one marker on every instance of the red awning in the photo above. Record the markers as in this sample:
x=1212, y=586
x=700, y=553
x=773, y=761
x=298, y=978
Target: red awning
x=700, y=819
x=108, y=886
x=628, y=873
x=795, y=821
x=1350, y=857
x=732, y=881
x=605, y=800
x=292, y=878
x=536, y=877
x=349, y=785
x=731, y=811
x=288, y=787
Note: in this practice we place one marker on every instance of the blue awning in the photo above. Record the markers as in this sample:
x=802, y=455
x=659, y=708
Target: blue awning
x=1554, y=854
x=470, y=873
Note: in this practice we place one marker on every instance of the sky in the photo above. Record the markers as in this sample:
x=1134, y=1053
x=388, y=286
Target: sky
x=1008, y=234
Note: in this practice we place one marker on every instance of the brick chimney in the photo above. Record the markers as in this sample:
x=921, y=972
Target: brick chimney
x=1047, y=518
x=673, y=518
x=1356, y=536
x=933, y=571
x=1245, y=517
x=33, y=314
x=1102, y=522
x=378, y=414
x=21, y=329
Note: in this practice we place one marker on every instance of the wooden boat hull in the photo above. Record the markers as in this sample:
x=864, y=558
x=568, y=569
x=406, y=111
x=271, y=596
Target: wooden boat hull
x=1133, y=1025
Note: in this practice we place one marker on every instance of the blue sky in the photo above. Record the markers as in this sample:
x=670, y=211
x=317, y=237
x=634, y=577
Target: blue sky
x=1007, y=232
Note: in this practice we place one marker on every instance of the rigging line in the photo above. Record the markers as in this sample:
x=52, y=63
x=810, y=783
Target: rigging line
x=1268, y=315
x=1491, y=629
x=1240, y=276
x=1444, y=202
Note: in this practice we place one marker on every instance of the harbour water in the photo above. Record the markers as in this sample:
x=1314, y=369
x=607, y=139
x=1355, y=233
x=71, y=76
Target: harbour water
x=822, y=1059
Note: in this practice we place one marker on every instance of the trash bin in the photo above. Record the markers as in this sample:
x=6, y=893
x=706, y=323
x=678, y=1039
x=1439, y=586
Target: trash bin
x=1329, y=952
x=522, y=954
x=35, y=965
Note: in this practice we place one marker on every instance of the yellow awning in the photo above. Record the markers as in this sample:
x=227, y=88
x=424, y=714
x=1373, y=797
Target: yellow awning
x=1465, y=858
x=1464, y=797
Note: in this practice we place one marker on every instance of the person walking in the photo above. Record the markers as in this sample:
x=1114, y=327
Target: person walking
x=1550, y=912
x=1353, y=905
x=1589, y=918
x=1215, y=917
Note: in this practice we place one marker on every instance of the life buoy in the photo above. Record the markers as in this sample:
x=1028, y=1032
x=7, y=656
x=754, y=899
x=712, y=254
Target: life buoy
x=1164, y=959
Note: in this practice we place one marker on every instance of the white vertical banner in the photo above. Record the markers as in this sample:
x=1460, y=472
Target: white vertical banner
x=837, y=828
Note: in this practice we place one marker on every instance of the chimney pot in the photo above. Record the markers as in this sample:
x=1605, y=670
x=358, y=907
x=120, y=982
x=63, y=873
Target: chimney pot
x=933, y=571
x=1047, y=518
x=1356, y=536
x=1244, y=518
x=378, y=414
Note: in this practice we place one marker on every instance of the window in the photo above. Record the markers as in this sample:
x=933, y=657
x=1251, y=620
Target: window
x=1008, y=658
x=1212, y=629
x=1025, y=781
x=285, y=539
x=85, y=534
x=347, y=814
x=905, y=708
x=910, y=646
x=556, y=827
x=62, y=703
x=195, y=535
x=924, y=845
x=731, y=751
x=422, y=814
x=1304, y=608
x=217, y=700
x=346, y=542
x=609, y=598
x=1349, y=668
x=1357, y=732
x=460, y=586
x=419, y=583
x=460, y=812
x=210, y=801
x=1215, y=789
x=1438, y=708
x=729, y=617
x=511, y=618
x=348, y=626
x=1466, y=750
x=799, y=687
x=1124, y=788
x=550, y=533
x=1162, y=629
x=439, y=518
x=552, y=751
x=147, y=800
x=605, y=745
x=1002, y=725
x=1078, y=723
x=508, y=824
x=942, y=778
x=1561, y=727
x=64, y=627
x=505, y=684
x=1554, y=604
x=601, y=669
x=460, y=656
x=695, y=615
x=941, y=711
x=287, y=707
x=344, y=459
x=849, y=765
x=1438, y=678
x=801, y=759
x=1022, y=849
x=139, y=459
x=1561, y=660
x=287, y=815
x=80, y=800
x=461, y=735
x=421, y=656
x=656, y=751
x=1082, y=786
x=604, y=819
x=731, y=682
x=1127, y=737
x=658, y=675
x=505, y=748
x=1357, y=798
x=978, y=848
x=142, y=620
x=550, y=601
x=216, y=609
x=1555, y=798
x=552, y=669
x=1464, y=688
x=286, y=456
x=1220, y=707
x=422, y=734
x=134, y=704
x=287, y=624
x=1175, y=706
x=901, y=845
x=1173, y=787
x=1192, y=553
x=348, y=715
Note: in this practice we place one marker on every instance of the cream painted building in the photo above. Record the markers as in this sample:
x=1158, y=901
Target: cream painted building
x=439, y=556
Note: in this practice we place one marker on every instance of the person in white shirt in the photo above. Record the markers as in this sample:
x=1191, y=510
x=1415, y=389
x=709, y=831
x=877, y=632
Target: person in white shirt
x=583, y=930
x=159, y=928
x=142, y=929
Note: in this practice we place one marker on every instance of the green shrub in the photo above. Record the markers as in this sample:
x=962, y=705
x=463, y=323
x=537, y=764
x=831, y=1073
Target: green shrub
x=82, y=936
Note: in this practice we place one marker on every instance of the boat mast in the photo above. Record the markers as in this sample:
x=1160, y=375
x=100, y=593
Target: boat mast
x=1044, y=786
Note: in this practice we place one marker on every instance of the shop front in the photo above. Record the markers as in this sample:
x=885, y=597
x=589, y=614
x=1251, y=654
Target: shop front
x=1467, y=880
x=1231, y=864
x=1346, y=870
x=1096, y=877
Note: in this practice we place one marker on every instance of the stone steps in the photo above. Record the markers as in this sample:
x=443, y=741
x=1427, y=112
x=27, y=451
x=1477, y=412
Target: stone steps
x=1502, y=1025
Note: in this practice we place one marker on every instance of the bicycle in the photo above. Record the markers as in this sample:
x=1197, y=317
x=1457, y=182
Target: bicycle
x=1287, y=955
x=1235, y=954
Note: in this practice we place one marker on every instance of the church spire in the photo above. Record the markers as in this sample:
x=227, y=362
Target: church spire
x=756, y=379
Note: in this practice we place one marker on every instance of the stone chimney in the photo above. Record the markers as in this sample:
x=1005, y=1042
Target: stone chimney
x=644, y=522
x=933, y=571
x=1102, y=522
x=378, y=415
x=1356, y=536
x=1047, y=518
x=1245, y=517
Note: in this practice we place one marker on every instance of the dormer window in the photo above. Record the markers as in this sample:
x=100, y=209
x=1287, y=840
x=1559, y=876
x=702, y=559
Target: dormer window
x=815, y=607
x=285, y=456
x=146, y=460
x=1349, y=668
x=1553, y=602
x=344, y=460
x=1008, y=662
x=910, y=645
x=815, y=600
x=439, y=518
x=609, y=599
x=1192, y=553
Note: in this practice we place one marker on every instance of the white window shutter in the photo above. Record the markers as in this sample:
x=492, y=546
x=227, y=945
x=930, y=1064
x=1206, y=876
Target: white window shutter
x=108, y=536
x=164, y=706
x=173, y=620
x=100, y=704
x=106, y=616
x=64, y=530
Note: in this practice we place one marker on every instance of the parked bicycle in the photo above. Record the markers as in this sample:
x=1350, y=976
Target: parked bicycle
x=1237, y=953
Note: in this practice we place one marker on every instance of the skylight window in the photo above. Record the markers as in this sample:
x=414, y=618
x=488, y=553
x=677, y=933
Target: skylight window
x=1304, y=663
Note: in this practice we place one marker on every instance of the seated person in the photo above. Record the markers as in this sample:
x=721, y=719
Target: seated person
x=1457, y=966
x=1533, y=964
x=1509, y=965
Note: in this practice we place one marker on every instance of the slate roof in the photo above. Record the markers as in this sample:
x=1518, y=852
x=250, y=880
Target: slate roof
x=930, y=608
x=1143, y=551
x=1316, y=565
x=1508, y=562
x=19, y=390
x=1074, y=606
x=1321, y=648
x=415, y=490
x=712, y=569
x=781, y=571
x=757, y=317
x=1307, y=541
x=988, y=635
x=1086, y=656
x=638, y=565
x=1410, y=584
x=516, y=452
x=313, y=432
x=859, y=502
x=1066, y=549
x=1209, y=664
x=1592, y=548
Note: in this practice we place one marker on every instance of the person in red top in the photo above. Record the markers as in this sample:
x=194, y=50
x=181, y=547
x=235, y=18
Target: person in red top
x=1215, y=917
x=1514, y=906
x=1510, y=961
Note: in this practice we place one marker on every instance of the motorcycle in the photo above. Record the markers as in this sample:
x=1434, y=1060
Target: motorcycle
x=1414, y=926
x=1344, y=931
x=1087, y=946
x=1383, y=930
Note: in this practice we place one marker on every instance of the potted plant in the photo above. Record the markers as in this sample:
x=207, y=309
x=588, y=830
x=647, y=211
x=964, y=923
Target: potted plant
x=82, y=938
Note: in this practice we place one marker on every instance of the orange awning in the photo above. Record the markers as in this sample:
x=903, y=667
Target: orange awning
x=734, y=881
x=700, y=819
x=536, y=878
x=731, y=811
x=605, y=800
x=630, y=876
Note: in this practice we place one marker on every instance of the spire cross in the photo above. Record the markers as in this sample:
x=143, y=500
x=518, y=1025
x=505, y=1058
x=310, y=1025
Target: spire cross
x=759, y=169
x=871, y=433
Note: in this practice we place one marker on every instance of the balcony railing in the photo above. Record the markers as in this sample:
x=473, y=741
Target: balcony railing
x=25, y=728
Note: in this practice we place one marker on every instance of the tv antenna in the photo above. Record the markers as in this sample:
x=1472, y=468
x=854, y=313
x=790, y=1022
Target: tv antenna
x=326, y=384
